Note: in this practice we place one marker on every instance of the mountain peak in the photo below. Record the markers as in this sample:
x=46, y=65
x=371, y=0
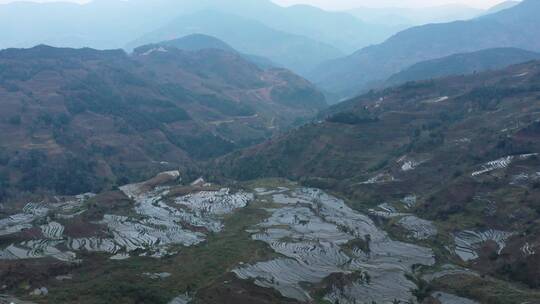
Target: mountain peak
x=196, y=42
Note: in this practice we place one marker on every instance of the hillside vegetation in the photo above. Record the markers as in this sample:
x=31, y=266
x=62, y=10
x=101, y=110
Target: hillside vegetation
x=79, y=120
x=465, y=148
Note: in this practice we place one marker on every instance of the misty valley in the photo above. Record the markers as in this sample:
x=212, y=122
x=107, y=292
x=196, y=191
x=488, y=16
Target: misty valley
x=248, y=151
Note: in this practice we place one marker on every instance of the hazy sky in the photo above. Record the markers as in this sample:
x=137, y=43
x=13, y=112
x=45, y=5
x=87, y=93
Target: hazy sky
x=345, y=4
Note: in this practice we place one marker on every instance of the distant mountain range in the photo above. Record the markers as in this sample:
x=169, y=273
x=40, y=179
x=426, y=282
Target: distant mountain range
x=407, y=17
x=248, y=36
x=516, y=27
x=197, y=42
x=101, y=116
x=462, y=64
x=298, y=37
x=339, y=29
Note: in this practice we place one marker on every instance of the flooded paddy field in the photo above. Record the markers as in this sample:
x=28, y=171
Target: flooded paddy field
x=187, y=244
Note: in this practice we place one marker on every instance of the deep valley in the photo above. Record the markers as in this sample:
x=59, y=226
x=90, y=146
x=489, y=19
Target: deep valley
x=251, y=152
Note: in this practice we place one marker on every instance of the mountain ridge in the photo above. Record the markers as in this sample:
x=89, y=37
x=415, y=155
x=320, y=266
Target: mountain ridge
x=464, y=63
x=460, y=152
x=106, y=116
x=513, y=27
x=292, y=51
x=197, y=42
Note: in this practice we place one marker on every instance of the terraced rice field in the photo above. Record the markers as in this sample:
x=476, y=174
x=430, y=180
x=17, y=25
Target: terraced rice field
x=154, y=230
x=315, y=236
x=311, y=230
x=500, y=163
x=419, y=228
x=468, y=242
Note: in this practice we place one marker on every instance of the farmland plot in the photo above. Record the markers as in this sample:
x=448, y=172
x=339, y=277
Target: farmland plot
x=313, y=233
x=153, y=227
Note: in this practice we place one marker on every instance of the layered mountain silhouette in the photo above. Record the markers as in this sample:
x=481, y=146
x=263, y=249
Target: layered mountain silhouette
x=460, y=64
x=339, y=29
x=403, y=16
x=257, y=27
x=514, y=27
x=248, y=36
x=197, y=42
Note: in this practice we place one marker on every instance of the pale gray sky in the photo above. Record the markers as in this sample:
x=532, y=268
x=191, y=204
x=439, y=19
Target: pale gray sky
x=346, y=4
